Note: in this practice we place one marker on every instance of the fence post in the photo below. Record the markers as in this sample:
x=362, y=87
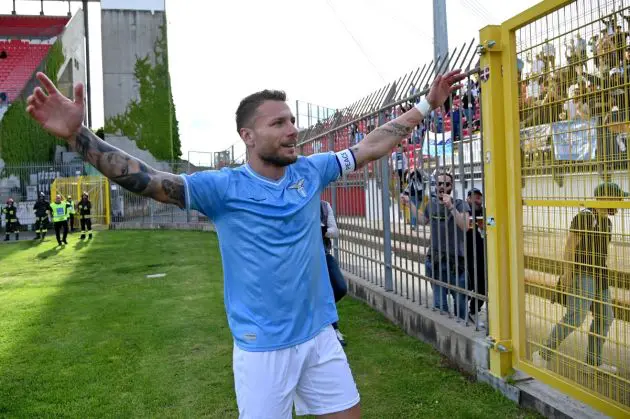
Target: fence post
x=387, y=228
x=333, y=198
x=496, y=198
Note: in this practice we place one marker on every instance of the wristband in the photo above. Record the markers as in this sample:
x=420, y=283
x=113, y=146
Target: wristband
x=424, y=107
x=346, y=161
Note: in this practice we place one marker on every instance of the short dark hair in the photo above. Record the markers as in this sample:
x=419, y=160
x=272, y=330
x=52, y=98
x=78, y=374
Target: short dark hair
x=248, y=106
x=444, y=174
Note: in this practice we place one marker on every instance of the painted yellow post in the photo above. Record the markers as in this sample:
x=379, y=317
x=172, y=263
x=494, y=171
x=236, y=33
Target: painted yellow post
x=107, y=204
x=496, y=197
x=514, y=201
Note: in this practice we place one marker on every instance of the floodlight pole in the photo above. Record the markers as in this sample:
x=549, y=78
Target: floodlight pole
x=87, y=63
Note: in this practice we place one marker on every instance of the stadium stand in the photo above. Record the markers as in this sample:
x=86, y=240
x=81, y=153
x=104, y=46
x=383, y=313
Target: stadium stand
x=32, y=26
x=24, y=43
x=22, y=60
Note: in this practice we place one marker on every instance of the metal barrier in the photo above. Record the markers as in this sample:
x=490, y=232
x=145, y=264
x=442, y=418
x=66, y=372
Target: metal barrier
x=389, y=213
x=112, y=206
x=556, y=121
x=97, y=188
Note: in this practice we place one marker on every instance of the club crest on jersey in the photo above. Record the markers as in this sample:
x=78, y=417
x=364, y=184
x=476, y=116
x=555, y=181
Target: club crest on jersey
x=299, y=187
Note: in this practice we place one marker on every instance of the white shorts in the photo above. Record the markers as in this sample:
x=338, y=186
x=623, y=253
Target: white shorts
x=315, y=376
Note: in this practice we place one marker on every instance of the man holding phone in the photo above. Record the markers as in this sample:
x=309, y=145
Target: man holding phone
x=449, y=220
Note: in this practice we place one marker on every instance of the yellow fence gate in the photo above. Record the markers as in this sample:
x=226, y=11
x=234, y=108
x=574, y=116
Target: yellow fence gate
x=97, y=188
x=556, y=121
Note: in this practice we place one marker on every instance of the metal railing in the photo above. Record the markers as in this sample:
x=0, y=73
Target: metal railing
x=384, y=239
x=557, y=161
x=112, y=206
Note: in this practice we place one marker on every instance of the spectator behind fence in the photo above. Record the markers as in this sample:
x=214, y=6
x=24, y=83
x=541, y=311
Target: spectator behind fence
x=337, y=281
x=413, y=193
x=448, y=221
x=400, y=163
x=585, y=280
x=476, y=252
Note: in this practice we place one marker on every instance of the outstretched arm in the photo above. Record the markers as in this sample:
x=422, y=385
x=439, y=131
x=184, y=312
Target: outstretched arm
x=63, y=117
x=380, y=142
x=127, y=171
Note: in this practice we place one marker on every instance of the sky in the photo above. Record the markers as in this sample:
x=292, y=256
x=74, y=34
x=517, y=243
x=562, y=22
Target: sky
x=326, y=52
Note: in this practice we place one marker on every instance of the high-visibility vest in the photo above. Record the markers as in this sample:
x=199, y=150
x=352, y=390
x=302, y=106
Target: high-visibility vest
x=70, y=205
x=59, y=212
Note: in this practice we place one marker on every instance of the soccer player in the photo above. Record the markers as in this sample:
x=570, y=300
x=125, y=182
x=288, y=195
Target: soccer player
x=278, y=298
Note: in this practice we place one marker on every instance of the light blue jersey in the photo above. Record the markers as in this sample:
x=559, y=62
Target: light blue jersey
x=277, y=290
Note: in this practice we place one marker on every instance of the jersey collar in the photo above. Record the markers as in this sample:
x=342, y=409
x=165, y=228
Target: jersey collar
x=266, y=179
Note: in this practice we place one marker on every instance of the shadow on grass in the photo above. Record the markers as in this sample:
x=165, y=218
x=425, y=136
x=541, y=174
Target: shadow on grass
x=50, y=252
x=80, y=244
x=85, y=333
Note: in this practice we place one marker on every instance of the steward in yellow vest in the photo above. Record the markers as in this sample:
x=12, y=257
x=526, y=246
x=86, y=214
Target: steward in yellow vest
x=60, y=219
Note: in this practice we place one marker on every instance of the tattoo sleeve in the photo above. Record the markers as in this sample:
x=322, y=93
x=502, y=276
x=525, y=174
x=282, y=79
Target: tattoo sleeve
x=380, y=142
x=127, y=171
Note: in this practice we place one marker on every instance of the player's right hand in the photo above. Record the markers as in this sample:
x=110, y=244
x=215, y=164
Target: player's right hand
x=53, y=111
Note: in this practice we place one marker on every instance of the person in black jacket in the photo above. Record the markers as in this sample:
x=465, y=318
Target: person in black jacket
x=475, y=253
x=85, y=207
x=12, y=223
x=41, y=209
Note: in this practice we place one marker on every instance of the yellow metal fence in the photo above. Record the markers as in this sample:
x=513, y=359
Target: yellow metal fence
x=556, y=101
x=97, y=188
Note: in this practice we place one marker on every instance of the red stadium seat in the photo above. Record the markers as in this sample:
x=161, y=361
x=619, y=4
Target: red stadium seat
x=21, y=62
x=32, y=26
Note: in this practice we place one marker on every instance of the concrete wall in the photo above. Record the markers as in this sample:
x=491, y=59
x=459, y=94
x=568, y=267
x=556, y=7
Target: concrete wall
x=126, y=35
x=73, y=69
x=73, y=42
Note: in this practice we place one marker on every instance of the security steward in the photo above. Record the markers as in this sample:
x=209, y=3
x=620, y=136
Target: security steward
x=60, y=219
x=41, y=210
x=12, y=223
x=71, y=211
x=84, y=207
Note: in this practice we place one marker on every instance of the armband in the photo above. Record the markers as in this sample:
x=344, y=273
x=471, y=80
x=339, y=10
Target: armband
x=347, y=162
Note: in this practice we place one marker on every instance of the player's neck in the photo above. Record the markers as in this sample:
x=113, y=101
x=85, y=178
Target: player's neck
x=265, y=169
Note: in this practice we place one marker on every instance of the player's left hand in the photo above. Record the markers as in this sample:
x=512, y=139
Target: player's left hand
x=443, y=86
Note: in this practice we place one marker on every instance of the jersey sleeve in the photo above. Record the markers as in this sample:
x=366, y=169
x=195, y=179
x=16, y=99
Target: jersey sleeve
x=331, y=165
x=205, y=191
x=327, y=166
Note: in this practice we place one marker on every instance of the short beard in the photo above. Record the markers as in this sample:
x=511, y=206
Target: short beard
x=278, y=161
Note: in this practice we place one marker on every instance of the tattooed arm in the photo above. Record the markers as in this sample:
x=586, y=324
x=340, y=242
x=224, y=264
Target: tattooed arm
x=380, y=142
x=63, y=118
x=130, y=173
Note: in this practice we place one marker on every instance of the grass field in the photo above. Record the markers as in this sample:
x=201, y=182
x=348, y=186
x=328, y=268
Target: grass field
x=84, y=333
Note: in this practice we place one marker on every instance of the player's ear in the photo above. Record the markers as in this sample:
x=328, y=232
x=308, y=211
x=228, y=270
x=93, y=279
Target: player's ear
x=247, y=135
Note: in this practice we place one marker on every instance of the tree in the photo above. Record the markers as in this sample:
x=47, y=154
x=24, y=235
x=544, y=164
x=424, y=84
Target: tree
x=151, y=120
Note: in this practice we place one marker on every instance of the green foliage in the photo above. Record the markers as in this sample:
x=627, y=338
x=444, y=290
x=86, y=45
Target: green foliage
x=151, y=121
x=21, y=138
